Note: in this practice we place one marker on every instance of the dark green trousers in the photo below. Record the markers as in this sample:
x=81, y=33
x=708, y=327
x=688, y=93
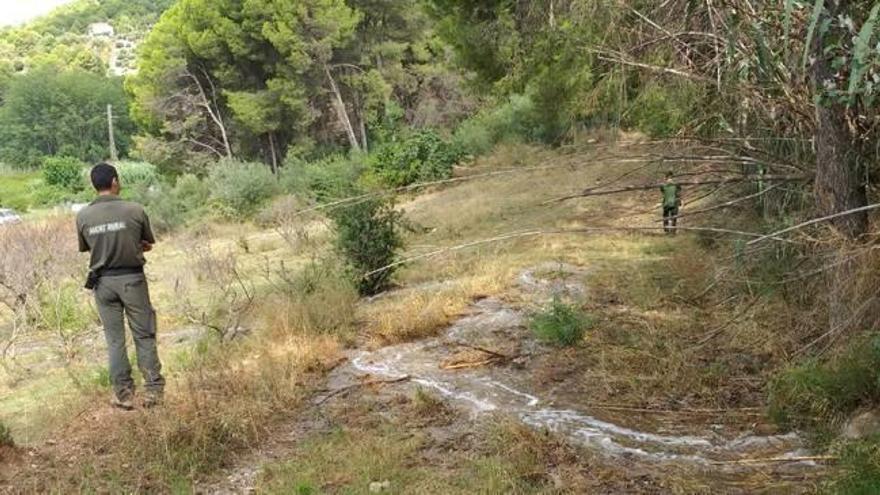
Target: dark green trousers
x=128, y=296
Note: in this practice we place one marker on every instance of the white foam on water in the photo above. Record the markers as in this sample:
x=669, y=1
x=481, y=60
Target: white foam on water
x=482, y=393
x=533, y=401
x=444, y=388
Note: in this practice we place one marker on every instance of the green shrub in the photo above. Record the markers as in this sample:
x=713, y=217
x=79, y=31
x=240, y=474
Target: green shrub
x=560, y=324
x=368, y=238
x=330, y=178
x=662, y=110
x=240, y=189
x=419, y=157
x=173, y=207
x=511, y=121
x=818, y=396
x=137, y=174
x=6, y=436
x=64, y=173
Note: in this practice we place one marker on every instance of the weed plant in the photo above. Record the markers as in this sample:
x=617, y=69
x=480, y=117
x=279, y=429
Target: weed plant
x=561, y=324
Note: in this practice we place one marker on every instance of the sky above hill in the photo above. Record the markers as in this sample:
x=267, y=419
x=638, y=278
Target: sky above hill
x=14, y=12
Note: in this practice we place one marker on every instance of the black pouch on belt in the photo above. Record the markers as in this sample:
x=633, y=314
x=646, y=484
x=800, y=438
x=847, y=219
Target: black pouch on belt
x=92, y=280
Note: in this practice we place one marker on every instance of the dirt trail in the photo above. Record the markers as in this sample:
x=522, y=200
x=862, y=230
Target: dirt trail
x=485, y=364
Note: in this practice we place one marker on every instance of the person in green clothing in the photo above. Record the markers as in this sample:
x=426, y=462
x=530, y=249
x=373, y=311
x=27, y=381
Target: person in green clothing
x=117, y=233
x=671, y=203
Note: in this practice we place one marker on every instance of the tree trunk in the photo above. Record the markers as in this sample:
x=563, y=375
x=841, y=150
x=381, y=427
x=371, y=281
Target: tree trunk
x=341, y=112
x=839, y=185
x=272, y=152
x=114, y=156
x=839, y=182
x=213, y=109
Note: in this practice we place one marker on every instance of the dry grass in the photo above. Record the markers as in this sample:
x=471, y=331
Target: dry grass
x=643, y=349
x=225, y=398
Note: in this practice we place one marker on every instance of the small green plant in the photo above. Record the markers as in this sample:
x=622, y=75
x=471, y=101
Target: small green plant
x=368, y=238
x=427, y=404
x=560, y=324
x=6, y=439
x=64, y=172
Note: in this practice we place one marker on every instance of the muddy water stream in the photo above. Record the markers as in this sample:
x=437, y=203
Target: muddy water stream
x=510, y=388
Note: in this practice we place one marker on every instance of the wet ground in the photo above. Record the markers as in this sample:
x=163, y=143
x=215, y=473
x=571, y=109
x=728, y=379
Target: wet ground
x=486, y=363
x=486, y=366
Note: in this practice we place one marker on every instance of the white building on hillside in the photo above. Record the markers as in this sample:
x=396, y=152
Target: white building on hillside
x=101, y=30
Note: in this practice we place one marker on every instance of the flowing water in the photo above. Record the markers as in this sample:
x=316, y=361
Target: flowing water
x=509, y=388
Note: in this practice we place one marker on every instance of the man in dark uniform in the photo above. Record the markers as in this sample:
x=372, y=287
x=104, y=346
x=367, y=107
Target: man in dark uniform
x=671, y=203
x=117, y=233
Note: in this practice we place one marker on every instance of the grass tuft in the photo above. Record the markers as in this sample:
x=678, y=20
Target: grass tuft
x=818, y=396
x=6, y=439
x=561, y=324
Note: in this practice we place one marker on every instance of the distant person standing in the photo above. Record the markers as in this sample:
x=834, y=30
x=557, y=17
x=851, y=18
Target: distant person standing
x=671, y=203
x=117, y=233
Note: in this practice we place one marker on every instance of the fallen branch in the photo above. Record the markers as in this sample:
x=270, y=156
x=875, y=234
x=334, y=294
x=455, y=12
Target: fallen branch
x=484, y=350
x=534, y=233
x=728, y=180
x=815, y=221
x=718, y=331
x=726, y=204
x=368, y=383
x=750, y=411
x=461, y=366
x=771, y=460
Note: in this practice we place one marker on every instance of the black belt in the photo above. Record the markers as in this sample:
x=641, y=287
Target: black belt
x=115, y=272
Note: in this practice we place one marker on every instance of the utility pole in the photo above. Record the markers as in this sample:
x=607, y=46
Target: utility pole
x=114, y=156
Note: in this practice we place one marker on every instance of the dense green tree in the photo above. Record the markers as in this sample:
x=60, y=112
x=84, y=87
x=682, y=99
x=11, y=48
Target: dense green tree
x=263, y=65
x=536, y=48
x=48, y=113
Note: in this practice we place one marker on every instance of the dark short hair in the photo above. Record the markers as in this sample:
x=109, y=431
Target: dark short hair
x=102, y=176
x=669, y=174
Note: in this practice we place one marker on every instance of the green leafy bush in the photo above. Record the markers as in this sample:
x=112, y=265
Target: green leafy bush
x=368, y=238
x=64, y=172
x=818, y=396
x=418, y=157
x=511, y=121
x=560, y=324
x=662, y=110
x=173, y=207
x=330, y=178
x=137, y=174
x=240, y=189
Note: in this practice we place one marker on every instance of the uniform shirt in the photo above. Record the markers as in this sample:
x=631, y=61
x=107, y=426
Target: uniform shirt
x=112, y=230
x=670, y=195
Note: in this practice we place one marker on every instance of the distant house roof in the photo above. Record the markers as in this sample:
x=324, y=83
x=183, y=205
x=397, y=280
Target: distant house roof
x=101, y=29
